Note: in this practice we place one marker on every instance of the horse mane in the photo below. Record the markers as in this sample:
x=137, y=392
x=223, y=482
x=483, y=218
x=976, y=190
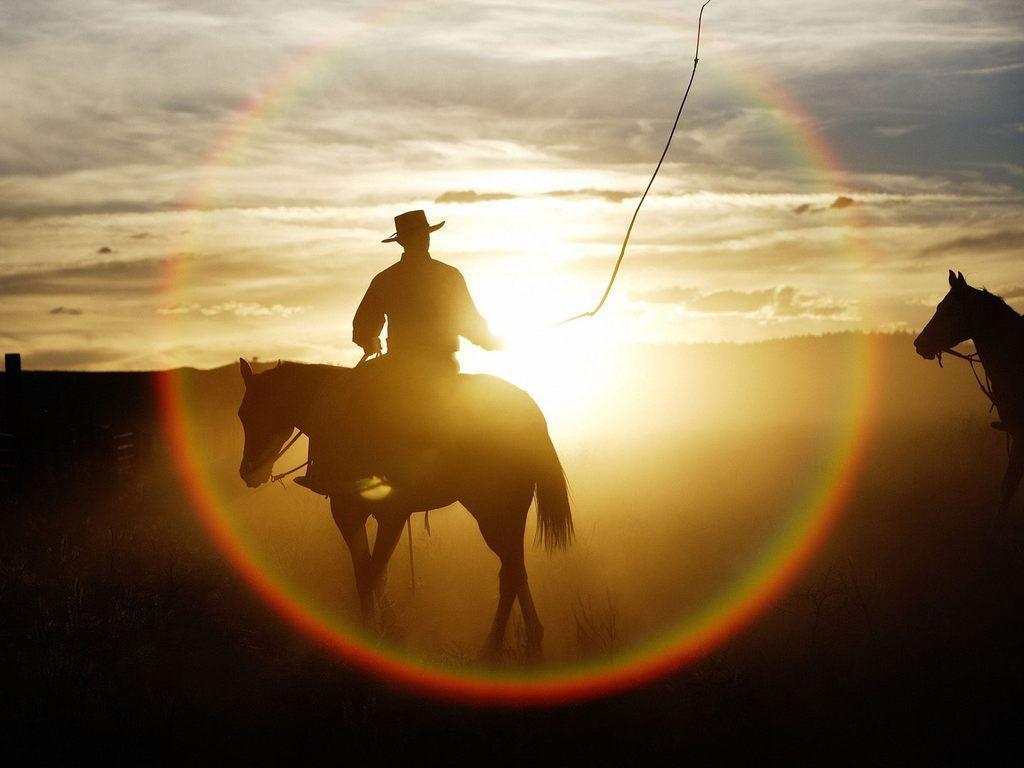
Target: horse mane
x=288, y=372
x=291, y=366
x=996, y=307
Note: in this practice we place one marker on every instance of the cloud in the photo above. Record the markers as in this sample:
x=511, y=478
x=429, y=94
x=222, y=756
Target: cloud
x=1002, y=240
x=65, y=311
x=234, y=308
x=90, y=279
x=29, y=209
x=783, y=302
x=842, y=201
x=470, y=196
x=177, y=309
x=895, y=131
x=789, y=302
x=673, y=295
x=731, y=302
x=611, y=195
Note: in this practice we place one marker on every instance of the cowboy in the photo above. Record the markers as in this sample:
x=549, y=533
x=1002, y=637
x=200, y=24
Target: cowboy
x=402, y=399
x=426, y=303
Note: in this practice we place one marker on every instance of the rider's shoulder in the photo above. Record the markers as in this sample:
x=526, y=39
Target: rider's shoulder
x=447, y=269
x=387, y=272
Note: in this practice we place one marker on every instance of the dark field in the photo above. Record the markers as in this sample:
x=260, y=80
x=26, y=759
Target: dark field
x=126, y=634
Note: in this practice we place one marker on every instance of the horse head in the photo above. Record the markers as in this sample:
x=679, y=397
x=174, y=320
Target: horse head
x=951, y=323
x=266, y=427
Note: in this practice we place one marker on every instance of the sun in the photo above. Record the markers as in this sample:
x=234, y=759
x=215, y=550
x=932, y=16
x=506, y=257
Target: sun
x=571, y=371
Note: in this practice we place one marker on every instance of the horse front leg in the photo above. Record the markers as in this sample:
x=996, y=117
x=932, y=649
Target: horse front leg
x=1014, y=472
x=352, y=524
x=389, y=531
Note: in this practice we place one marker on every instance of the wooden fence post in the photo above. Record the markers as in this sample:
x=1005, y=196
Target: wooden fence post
x=12, y=434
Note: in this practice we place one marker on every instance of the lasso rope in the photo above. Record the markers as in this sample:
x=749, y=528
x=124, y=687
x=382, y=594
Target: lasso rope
x=639, y=205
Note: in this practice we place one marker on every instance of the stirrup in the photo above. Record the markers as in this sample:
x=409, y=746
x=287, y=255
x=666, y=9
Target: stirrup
x=307, y=482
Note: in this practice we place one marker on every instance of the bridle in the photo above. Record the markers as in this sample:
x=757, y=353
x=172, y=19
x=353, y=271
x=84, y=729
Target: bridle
x=973, y=358
x=278, y=478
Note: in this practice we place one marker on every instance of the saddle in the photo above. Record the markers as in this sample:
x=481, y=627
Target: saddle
x=388, y=423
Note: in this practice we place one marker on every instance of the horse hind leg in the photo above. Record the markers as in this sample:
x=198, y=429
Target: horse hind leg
x=534, y=629
x=504, y=535
x=506, y=597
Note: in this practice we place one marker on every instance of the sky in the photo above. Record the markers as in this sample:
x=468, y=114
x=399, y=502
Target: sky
x=182, y=183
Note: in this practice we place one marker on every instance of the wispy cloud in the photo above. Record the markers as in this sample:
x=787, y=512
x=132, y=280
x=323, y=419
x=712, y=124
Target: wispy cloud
x=471, y=196
x=1003, y=240
x=895, y=131
x=784, y=302
x=235, y=308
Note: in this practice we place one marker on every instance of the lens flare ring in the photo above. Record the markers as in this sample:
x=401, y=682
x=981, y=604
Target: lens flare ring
x=767, y=578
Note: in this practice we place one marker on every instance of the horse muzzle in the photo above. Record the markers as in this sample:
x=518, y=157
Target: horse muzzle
x=923, y=351
x=254, y=476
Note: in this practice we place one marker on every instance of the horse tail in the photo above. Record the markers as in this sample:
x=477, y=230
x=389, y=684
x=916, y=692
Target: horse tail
x=554, y=515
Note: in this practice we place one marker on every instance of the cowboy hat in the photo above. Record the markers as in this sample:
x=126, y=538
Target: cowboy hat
x=410, y=221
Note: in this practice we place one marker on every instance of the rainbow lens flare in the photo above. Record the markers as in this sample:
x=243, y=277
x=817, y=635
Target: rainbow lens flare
x=737, y=604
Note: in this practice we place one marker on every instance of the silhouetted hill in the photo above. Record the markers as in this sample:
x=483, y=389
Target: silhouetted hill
x=795, y=379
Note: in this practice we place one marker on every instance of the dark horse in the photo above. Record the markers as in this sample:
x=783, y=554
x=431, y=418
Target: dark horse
x=998, y=335
x=500, y=458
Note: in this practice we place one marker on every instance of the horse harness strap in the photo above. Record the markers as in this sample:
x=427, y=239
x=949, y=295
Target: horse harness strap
x=972, y=358
x=986, y=389
x=279, y=477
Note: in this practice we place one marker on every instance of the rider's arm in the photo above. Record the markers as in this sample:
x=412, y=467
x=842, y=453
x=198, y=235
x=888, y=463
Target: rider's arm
x=369, y=319
x=472, y=324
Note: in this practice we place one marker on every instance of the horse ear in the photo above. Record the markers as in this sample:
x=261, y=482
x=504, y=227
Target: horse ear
x=960, y=278
x=952, y=279
x=245, y=368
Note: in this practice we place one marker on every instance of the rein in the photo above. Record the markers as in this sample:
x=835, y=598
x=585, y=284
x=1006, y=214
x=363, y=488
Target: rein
x=973, y=358
x=985, y=387
x=282, y=475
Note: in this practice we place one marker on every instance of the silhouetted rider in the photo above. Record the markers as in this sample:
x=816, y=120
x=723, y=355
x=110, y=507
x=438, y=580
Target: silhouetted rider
x=426, y=303
x=399, y=402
